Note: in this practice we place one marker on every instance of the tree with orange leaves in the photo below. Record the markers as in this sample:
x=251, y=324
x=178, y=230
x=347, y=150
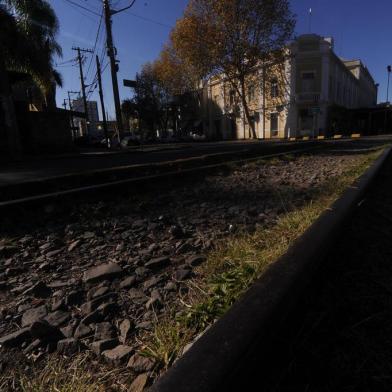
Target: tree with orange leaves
x=230, y=38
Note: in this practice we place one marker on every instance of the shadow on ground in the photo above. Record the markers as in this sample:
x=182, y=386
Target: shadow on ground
x=344, y=340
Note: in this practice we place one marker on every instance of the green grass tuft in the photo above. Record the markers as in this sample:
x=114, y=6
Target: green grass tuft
x=234, y=265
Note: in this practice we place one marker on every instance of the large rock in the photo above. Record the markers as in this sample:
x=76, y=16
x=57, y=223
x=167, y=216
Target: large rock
x=158, y=262
x=68, y=346
x=82, y=331
x=127, y=283
x=102, y=345
x=102, y=272
x=15, y=339
x=104, y=331
x=92, y=305
x=44, y=331
x=39, y=290
x=139, y=383
x=58, y=318
x=98, y=292
x=75, y=297
x=155, y=300
x=108, y=308
x=118, y=354
x=140, y=364
x=73, y=245
x=125, y=328
x=93, y=317
x=32, y=315
x=152, y=282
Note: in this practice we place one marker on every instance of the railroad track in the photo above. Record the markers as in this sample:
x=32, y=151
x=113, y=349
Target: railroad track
x=125, y=178
x=97, y=183
x=289, y=328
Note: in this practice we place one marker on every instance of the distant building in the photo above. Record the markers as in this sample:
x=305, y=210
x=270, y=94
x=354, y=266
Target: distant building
x=93, y=117
x=303, y=95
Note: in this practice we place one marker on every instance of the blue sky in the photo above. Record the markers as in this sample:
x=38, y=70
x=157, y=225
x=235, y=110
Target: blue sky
x=361, y=29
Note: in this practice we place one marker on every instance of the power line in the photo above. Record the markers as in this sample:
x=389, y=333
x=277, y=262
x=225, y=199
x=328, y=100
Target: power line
x=82, y=7
x=95, y=45
x=66, y=62
x=93, y=85
x=149, y=20
x=79, y=50
x=84, y=14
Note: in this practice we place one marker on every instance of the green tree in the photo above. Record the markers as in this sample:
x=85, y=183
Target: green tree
x=152, y=98
x=37, y=22
x=231, y=38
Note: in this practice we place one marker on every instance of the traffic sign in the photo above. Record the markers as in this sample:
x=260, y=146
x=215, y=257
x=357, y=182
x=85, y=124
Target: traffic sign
x=129, y=83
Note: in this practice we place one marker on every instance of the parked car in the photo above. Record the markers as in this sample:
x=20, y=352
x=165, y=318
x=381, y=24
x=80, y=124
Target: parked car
x=198, y=137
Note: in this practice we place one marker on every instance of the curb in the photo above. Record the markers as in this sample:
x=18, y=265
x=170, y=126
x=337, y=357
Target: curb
x=210, y=365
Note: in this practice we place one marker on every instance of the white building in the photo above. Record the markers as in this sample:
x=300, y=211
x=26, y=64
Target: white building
x=93, y=117
x=315, y=87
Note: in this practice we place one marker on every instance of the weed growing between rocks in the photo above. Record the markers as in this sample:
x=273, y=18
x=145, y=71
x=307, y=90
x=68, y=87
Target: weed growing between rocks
x=56, y=375
x=156, y=293
x=236, y=263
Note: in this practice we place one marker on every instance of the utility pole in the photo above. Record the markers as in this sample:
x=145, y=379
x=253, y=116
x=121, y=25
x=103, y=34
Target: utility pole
x=113, y=64
x=80, y=60
x=105, y=126
x=71, y=111
x=112, y=52
x=70, y=106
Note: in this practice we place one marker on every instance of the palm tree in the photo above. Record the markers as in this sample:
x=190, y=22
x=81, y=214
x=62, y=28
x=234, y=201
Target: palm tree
x=37, y=20
x=27, y=45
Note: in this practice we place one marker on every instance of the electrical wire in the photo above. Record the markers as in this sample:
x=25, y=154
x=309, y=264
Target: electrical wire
x=84, y=14
x=149, y=20
x=82, y=7
x=93, y=85
x=95, y=45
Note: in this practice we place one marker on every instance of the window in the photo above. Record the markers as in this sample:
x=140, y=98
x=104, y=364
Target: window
x=251, y=93
x=232, y=97
x=274, y=124
x=308, y=82
x=274, y=88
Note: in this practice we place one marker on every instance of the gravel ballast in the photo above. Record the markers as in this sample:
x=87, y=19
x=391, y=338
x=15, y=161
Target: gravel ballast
x=126, y=262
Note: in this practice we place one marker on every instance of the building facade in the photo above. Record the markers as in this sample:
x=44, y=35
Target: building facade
x=302, y=95
x=93, y=117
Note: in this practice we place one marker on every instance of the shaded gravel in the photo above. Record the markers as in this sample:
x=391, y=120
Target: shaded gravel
x=344, y=340
x=145, y=249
